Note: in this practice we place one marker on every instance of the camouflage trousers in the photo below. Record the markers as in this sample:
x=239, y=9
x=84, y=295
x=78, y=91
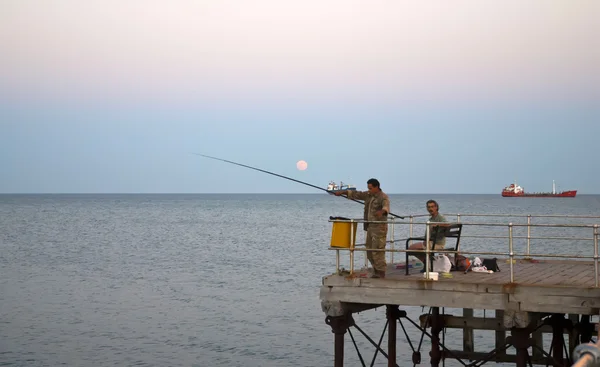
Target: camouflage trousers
x=376, y=237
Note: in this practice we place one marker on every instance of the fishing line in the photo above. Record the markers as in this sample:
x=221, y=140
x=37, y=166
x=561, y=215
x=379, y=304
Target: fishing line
x=282, y=176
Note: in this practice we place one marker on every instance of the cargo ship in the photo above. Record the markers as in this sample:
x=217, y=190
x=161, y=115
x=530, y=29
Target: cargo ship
x=333, y=187
x=514, y=190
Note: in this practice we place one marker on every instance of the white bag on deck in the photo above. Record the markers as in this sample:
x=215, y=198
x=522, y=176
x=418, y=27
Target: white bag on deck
x=442, y=264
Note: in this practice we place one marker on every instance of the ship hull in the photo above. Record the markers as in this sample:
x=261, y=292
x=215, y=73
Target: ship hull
x=564, y=194
x=342, y=190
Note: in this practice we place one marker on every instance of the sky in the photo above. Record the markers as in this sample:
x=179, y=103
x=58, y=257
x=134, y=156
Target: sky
x=428, y=97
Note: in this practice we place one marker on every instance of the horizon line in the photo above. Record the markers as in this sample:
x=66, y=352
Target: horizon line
x=234, y=193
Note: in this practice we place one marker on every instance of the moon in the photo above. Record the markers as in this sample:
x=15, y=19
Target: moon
x=301, y=165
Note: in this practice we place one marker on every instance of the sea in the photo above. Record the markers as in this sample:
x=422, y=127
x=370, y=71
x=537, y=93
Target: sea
x=216, y=279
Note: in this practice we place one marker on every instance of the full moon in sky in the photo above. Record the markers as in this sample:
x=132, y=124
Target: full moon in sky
x=301, y=165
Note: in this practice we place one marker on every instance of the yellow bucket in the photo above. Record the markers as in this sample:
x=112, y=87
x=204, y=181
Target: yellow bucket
x=340, y=234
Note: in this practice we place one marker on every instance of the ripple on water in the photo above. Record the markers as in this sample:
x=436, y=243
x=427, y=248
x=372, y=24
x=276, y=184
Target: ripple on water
x=155, y=280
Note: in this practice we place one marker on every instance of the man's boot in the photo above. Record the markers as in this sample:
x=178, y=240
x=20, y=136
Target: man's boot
x=378, y=274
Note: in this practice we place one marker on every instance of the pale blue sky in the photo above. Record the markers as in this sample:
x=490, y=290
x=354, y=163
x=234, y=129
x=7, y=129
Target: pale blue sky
x=99, y=96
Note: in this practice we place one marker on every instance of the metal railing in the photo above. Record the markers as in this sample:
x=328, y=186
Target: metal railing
x=529, y=217
x=392, y=223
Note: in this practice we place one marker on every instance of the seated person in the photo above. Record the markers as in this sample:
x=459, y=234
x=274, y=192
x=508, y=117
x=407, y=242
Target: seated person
x=440, y=241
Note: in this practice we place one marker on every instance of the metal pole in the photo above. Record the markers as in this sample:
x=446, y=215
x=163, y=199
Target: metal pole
x=558, y=340
x=337, y=261
x=437, y=325
x=410, y=226
x=392, y=236
x=392, y=312
x=596, y=255
x=457, y=218
x=351, y=246
x=511, y=254
x=338, y=350
x=520, y=342
x=528, y=234
x=427, y=250
x=339, y=326
x=366, y=267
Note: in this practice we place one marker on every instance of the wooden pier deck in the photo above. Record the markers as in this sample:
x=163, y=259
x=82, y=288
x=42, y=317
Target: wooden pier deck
x=555, y=299
x=542, y=294
x=547, y=286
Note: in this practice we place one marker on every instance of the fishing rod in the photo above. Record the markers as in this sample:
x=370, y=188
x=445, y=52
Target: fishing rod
x=287, y=178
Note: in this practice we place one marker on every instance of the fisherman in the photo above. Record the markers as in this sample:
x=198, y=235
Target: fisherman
x=434, y=230
x=377, y=208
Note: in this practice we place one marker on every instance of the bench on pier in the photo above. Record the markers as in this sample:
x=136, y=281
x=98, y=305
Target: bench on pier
x=451, y=231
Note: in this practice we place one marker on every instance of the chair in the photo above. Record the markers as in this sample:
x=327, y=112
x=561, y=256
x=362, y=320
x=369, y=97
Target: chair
x=453, y=230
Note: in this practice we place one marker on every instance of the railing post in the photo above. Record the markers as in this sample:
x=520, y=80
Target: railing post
x=511, y=254
x=528, y=235
x=366, y=267
x=392, y=236
x=457, y=218
x=596, y=255
x=337, y=256
x=427, y=251
x=351, y=246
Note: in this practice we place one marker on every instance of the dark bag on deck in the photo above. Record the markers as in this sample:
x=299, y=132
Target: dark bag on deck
x=491, y=264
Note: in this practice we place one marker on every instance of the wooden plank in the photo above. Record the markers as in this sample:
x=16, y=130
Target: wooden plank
x=583, y=301
x=542, y=288
x=505, y=358
x=477, y=323
x=554, y=274
x=490, y=301
x=579, y=275
x=480, y=323
x=556, y=304
x=546, y=275
x=453, y=299
x=536, y=274
x=560, y=291
x=450, y=285
x=552, y=308
x=414, y=284
x=557, y=276
x=350, y=308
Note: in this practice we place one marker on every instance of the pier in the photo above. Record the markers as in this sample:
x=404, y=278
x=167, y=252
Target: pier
x=543, y=302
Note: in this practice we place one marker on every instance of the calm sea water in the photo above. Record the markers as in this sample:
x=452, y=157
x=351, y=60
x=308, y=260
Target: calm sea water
x=201, y=280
